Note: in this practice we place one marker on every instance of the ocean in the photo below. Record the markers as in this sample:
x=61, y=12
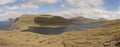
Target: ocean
x=76, y=26
x=5, y=25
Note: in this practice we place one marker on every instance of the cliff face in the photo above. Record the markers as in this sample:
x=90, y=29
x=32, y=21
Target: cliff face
x=25, y=21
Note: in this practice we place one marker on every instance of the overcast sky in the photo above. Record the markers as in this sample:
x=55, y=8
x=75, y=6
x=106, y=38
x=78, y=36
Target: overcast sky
x=108, y=9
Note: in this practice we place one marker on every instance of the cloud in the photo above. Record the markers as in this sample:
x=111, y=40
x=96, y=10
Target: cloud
x=9, y=14
x=93, y=9
x=85, y=3
x=119, y=8
x=87, y=8
x=25, y=7
x=13, y=14
x=92, y=13
x=3, y=2
x=46, y=2
x=71, y=8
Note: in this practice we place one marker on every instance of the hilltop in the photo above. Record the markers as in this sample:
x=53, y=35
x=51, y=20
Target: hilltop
x=81, y=19
x=30, y=20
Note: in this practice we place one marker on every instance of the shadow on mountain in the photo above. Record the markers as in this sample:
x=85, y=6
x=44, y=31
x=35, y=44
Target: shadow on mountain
x=46, y=30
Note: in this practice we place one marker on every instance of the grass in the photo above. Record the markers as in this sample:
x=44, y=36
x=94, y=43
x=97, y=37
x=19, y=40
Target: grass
x=26, y=21
x=55, y=21
x=87, y=38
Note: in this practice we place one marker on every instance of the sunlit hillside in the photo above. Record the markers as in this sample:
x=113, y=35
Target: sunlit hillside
x=59, y=23
x=26, y=21
x=108, y=35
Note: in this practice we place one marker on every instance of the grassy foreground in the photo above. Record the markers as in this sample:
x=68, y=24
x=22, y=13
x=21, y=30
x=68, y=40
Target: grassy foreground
x=98, y=37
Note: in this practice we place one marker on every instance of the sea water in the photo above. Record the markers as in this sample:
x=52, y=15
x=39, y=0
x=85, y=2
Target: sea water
x=5, y=25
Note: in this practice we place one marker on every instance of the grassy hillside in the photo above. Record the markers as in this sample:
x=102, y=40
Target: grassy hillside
x=26, y=21
x=55, y=21
x=109, y=35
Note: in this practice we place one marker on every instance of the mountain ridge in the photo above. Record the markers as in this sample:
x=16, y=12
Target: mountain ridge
x=39, y=20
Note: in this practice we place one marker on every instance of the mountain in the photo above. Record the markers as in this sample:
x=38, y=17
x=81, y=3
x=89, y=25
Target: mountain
x=91, y=14
x=81, y=19
x=11, y=19
x=28, y=20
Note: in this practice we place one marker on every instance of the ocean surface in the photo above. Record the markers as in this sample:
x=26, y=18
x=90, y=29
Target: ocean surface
x=76, y=26
x=5, y=25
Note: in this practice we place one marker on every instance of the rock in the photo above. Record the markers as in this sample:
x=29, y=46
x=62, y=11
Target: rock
x=106, y=44
x=118, y=44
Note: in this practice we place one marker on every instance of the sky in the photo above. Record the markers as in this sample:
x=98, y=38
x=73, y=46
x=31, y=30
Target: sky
x=112, y=5
x=94, y=9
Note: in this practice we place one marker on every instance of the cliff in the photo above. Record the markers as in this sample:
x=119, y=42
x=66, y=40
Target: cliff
x=26, y=21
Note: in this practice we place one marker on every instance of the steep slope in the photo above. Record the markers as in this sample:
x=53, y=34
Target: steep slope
x=25, y=21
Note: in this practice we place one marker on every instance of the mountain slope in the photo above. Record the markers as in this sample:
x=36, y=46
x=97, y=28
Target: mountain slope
x=98, y=37
x=25, y=21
